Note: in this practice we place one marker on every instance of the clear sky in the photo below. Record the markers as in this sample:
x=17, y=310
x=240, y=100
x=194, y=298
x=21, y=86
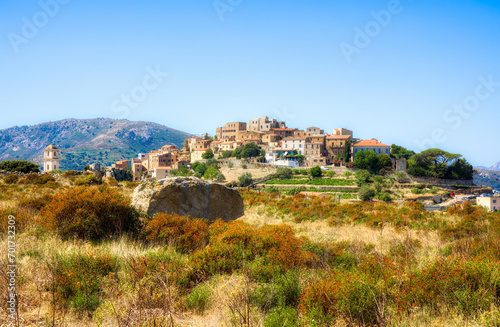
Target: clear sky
x=415, y=73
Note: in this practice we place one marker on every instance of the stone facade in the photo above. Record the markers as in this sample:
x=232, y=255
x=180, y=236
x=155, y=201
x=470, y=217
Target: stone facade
x=51, y=158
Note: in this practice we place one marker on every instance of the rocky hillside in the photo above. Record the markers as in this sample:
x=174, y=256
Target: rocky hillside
x=83, y=141
x=488, y=178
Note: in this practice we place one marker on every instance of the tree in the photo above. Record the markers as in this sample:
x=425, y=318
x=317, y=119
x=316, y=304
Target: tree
x=209, y=154
x=399, y=152
x=347, y=150
x=366, y=193
x=226, y=154
x=19, y=165
x=315, y=172
x=440, y=164
x=211, y=172
x=362, y=176
x=385, y=160
x=250, y=150
x=245, y=179
x=367, y=160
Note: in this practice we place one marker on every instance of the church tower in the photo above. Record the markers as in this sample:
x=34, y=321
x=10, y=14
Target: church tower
x=50, y=158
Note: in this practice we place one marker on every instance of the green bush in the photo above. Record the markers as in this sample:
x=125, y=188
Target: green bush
x=245, y=179
x=79, y=279
x=366, y=193
x=282, y=317
x=283, y=173
x=87, y=181
x=11, y=179
x=20, y=166
x=315, y=172
x=199, y=299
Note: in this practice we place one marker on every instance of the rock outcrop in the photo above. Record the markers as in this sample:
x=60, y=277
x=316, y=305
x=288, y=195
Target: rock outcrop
x=189, y=196
x=119, y=174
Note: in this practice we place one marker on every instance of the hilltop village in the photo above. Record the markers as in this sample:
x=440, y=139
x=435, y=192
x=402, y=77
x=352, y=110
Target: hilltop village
x=277, y=145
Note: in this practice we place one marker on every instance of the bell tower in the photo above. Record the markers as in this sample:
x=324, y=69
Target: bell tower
x=50, y=158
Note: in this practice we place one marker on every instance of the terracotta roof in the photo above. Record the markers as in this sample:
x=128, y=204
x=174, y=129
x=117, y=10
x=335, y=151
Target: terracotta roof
x=294, y=138
x=338, y=136
x=51, y=147
x=282, y=129
x=371, y=142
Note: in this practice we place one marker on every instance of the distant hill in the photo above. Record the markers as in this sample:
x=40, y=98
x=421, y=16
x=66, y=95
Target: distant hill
x=84, y=141
x=495, y=166
x=488, y=178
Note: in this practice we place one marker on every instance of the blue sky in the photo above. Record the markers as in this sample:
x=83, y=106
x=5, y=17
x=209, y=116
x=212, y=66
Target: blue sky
x=415, y=73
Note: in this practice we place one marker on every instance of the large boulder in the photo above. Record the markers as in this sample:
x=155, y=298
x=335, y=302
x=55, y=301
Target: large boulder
x=188, y=196
x=119, y=174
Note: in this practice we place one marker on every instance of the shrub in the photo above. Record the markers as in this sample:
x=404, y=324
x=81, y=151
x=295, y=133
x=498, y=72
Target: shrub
x=234, y=244
x=128, y=184
x=90, y=213
x=330, y=173
x=68, y=173
x=245, y=179
x=282, y=316
x=11, y=179
x=35, y=203
x=283, y=173
x=230, y=164
x=469, y=286
x=315, y=172
x=36, y=179
x=244, y=166
x=200, y=298
x=351, y=296
x=362, y=177
x=185, y=233
x=366, y=193
x=78, y=280
x=87, y=180
x=20, y=166
x=347, y=174
x=386, y=197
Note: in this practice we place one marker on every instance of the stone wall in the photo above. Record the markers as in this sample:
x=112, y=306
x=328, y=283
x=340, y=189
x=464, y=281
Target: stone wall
x=443, y=182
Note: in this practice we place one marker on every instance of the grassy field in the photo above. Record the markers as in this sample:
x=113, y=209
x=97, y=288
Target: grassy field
x=299, y=260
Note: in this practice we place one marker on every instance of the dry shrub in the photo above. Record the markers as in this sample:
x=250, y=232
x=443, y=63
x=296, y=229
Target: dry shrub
x=36, y=179
x=350, y=296
x=78, y=280
x=185, y=233
x=35, y=203
x=11, y=179
x=467, y=285
x=93, y=213
x=235, y=244
x=24, y=220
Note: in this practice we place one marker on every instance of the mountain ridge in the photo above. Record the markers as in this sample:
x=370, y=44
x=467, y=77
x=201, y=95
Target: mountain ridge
x=83, y=141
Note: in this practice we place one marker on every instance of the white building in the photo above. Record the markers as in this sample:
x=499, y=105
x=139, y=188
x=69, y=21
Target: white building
x=51, y=158
x=492, y=203
x=293, y=144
